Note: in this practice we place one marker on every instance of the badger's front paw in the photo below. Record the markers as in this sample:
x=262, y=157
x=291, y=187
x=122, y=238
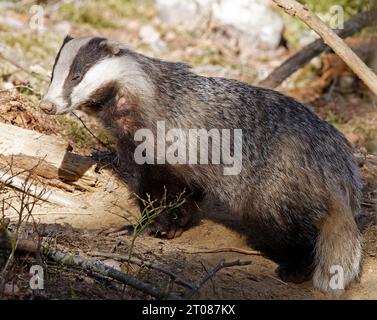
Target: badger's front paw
x=164, y=229
x=172, y=225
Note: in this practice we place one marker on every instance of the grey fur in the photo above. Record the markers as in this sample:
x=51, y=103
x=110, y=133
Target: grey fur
x=298, y=171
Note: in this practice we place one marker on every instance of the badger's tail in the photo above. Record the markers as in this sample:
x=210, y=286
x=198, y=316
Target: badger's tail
x=338, y=249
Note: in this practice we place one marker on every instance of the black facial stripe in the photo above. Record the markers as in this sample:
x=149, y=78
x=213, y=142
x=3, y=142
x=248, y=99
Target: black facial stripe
x=65, y=41
x=86, y=57
x=98, y=99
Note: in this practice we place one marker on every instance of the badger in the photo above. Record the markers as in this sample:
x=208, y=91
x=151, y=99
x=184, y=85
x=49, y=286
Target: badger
x=298, y=191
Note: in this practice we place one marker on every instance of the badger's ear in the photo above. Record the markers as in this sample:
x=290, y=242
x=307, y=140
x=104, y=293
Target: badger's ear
x=67, y=39
x=111, y=46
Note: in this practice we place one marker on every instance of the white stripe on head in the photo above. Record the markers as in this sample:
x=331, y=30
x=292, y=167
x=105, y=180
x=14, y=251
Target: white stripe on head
x=122, y=69
x=61, y=71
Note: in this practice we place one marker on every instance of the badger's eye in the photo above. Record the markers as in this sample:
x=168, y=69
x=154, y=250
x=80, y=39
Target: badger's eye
x=76, y=77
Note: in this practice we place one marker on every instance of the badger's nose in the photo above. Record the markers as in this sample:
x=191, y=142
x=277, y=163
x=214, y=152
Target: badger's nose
x=47, y=107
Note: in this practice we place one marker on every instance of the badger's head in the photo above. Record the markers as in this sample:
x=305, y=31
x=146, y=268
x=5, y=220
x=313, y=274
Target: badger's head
x=88, y=72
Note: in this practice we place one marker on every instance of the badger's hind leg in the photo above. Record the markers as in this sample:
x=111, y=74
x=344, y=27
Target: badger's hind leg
x=338, y=248
x=162, y=187
x=326, y=247
x=290, y=243
x=296, y=271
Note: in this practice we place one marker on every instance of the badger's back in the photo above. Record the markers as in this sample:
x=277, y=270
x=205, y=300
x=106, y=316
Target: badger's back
x=299, y=188
x=278, y=132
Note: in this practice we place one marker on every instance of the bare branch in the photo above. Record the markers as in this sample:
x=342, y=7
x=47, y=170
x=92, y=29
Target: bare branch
x=221, y=265
x=177, y=279
x=298, y=60
x=220, y=250
x=107, y=271
x=34, y=247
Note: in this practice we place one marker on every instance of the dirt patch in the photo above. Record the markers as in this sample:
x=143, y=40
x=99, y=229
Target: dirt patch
x=16, y=109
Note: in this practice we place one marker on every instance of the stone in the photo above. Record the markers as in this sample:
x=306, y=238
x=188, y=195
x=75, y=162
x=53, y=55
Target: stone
x=151, y=37
x=255, y=21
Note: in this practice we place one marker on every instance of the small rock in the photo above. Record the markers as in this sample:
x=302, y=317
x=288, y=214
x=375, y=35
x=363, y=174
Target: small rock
x=251, y=18
x=132, y=25
x=63, y=28
x=307, y=37
x=38, y=69
x=8, y=85
x=151, y=36
x=187, y=13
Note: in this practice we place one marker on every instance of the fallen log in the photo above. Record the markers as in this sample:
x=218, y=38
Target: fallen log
x=49, y=157
x=36, y=191
x=70, y=186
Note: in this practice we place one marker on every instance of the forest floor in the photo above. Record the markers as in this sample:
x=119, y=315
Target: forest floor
x=339, y=98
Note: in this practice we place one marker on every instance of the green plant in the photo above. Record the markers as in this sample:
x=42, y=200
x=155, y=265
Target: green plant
x=152, y=209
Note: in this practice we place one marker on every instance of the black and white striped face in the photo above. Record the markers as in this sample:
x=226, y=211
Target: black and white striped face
x=86, y=72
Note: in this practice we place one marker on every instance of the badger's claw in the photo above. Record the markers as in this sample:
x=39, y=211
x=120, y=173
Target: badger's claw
x=156, y=231
x=169, y=226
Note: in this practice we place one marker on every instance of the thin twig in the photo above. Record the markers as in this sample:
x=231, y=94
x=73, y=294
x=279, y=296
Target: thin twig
x=277, y=279
x=227, y=249
x=221, y=265
x=30, y=246
x=91, y=133
x=177, y=279
x=61, y=257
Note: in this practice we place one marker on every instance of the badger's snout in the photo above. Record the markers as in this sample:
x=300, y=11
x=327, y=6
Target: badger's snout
x=48, y=107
